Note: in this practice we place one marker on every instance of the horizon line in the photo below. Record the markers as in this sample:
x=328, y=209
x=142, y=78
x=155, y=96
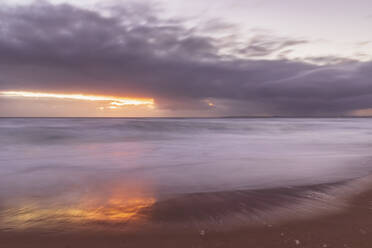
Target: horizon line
x=178, y=117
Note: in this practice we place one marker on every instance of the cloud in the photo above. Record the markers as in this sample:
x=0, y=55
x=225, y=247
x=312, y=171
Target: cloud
x=328, y=60
x=134, y=52
x=264, y=45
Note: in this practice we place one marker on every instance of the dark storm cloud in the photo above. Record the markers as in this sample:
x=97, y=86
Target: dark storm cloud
x=134, y=52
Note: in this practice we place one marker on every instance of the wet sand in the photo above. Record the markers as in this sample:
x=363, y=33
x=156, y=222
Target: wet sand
x=349, y=227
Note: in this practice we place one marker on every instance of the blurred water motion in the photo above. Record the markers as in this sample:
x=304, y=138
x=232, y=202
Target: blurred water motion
x=66, y=171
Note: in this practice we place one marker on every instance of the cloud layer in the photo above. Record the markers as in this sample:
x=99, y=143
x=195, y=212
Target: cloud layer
x=134, y=52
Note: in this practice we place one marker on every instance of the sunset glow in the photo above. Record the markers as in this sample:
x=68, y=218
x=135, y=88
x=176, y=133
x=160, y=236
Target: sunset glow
x=114, y=210
x=115, y=101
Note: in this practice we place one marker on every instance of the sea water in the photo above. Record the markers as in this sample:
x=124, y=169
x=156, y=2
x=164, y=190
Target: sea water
x=108, y=169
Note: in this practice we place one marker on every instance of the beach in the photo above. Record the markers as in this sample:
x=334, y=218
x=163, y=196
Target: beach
x=185, y=183
x=350, y=226
x=185, y=124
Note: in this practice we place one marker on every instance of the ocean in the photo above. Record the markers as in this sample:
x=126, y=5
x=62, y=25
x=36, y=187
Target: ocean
x=58, y=171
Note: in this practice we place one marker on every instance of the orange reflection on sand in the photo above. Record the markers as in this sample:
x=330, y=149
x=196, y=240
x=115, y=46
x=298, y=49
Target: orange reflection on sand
x=113, y=209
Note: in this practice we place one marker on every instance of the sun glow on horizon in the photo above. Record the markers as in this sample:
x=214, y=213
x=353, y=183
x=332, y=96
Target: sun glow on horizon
x=114, y=101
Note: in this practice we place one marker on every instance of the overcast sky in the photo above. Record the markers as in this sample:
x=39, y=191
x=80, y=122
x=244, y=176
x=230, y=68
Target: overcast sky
x=194, y=58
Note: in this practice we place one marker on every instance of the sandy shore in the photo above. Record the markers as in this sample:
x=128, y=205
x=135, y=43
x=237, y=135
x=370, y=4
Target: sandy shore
x=351, y=227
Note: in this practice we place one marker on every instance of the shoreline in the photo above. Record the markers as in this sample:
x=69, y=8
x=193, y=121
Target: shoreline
x=350, y=226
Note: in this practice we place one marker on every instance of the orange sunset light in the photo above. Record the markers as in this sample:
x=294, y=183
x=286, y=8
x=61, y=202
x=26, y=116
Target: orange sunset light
x=115, y=101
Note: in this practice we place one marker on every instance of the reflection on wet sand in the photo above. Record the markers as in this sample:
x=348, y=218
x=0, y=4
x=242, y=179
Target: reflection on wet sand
x=349, y=227
x=117, y=208
x=207, y=210
x=130, y=211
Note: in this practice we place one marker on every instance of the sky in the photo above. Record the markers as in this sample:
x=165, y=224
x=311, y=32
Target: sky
x=148, y=58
